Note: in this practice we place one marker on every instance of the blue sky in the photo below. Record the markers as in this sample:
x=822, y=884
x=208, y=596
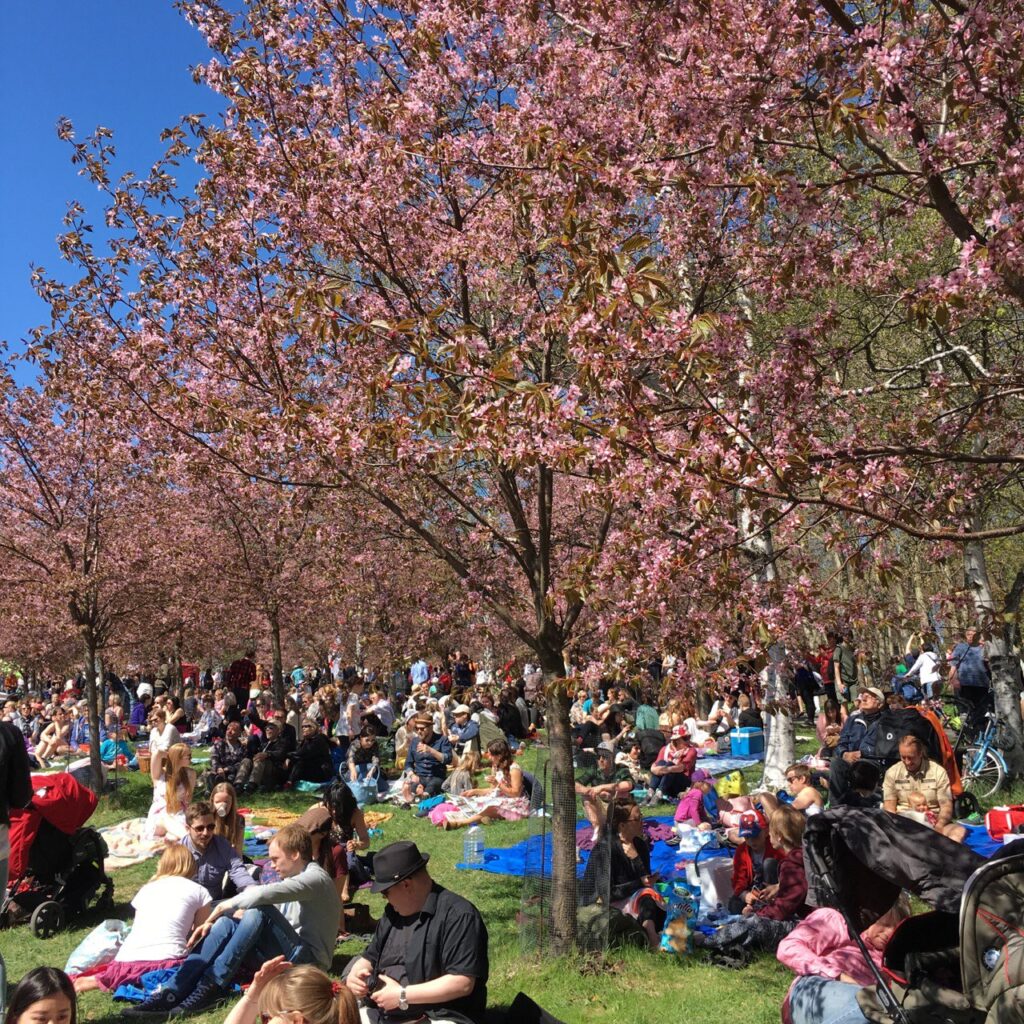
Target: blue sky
x=123, y=64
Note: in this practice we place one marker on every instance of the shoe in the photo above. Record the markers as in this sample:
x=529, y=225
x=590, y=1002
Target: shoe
x=206, y=994
x=159, y=1004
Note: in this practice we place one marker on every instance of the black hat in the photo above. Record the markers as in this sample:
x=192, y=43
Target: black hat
x=395, y=863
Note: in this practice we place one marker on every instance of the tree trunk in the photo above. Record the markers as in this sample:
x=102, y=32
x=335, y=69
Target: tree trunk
x=277, y=670
x=92, y=696
x=1003, y=661
x=563, y=806
x=779, y=750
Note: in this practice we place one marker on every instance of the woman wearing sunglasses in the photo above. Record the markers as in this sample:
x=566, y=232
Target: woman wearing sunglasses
x=294, y=995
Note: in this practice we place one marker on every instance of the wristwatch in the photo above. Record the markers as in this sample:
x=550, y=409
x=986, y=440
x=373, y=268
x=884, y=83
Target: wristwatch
x=403, y=1002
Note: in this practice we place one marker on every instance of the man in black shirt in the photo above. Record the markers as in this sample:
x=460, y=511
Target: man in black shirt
x=15, y=788
x=429, y=952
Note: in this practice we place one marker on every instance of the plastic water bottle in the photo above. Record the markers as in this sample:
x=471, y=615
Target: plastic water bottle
x=473, y=846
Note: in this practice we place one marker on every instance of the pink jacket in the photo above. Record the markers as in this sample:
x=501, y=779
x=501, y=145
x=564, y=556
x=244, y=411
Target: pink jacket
x=821, y=945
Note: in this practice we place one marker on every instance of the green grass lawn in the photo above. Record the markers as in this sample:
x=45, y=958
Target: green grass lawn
x=624, y=987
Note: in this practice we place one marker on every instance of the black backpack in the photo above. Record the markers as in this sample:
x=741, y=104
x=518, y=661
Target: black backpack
x=650, y=741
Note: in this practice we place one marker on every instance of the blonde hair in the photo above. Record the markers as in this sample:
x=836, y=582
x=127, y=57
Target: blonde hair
x=230, y=826
x=786, y=827
x=801, y=769
x=176, y=862
x=470, y=761
x=178, y=773
x=306, y=990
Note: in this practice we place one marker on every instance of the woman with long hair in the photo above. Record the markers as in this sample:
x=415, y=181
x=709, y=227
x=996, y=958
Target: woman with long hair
x=349, y=833
x=44, y=994
x=829, y=725
x=171, y=794
x=229, y=823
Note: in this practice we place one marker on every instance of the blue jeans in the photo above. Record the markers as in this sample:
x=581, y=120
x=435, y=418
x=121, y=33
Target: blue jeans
x=671, y=785
x=814, y=1000
x=262, y=931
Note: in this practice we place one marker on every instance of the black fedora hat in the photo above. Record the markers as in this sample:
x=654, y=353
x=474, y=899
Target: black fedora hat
x=395, y=863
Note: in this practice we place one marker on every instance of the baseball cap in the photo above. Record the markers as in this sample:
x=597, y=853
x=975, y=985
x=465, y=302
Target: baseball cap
x=605, y=749
x=875, y=692
x=680, y=732
x=751, y=824
x=701, y=775
x=460, y=709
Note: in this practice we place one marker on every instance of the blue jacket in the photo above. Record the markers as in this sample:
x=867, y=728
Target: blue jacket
x=858, y=733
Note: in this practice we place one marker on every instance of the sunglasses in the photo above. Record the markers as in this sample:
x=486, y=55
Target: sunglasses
x=202, y=828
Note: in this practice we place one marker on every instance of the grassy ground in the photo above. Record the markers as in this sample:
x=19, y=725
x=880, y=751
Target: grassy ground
x=625, y=987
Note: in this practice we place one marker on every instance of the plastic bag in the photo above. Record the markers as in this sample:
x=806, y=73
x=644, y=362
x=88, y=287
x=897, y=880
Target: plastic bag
x=99, y=947
x=732, y=784
x=680, y=914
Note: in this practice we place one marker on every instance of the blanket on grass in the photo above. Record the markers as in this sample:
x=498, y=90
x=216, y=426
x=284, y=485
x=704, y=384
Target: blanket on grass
x=533, y=856
x=126, y=844
x=722, y=764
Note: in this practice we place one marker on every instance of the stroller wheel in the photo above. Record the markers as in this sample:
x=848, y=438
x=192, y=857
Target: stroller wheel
x=47, y=919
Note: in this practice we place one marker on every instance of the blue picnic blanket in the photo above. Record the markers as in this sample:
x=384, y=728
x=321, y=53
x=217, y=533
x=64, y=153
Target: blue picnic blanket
x=533, y=857
x=980, y=841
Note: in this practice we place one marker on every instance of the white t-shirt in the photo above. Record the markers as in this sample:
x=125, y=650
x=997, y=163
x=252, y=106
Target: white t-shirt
x=165, y=910
x=163, y=740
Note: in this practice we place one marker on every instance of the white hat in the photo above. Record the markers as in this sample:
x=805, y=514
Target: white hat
x=461, y=709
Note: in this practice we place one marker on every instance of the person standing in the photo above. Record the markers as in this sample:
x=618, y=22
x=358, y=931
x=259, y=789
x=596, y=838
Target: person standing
x=972, y=675
x=844, y=668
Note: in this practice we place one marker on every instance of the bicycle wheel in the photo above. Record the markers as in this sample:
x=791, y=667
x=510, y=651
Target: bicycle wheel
x=983, y=772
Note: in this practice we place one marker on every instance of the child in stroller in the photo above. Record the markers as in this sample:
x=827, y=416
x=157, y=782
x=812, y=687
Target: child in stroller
x=56, y=865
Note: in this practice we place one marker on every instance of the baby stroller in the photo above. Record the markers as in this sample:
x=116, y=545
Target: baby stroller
x=56, y=865
x=960, y=963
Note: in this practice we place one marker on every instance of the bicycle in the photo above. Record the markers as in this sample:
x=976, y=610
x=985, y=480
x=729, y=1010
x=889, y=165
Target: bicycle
x=984, y=767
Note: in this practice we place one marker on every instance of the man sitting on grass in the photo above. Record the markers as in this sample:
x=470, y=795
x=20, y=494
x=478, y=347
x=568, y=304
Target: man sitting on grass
x=219, y=869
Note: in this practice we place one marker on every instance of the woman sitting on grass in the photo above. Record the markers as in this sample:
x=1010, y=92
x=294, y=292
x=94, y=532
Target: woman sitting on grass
x=624, y=859
x=230, y=824
x=349, y=834
x=171, y=795
x=167, y=910
x=505, y=796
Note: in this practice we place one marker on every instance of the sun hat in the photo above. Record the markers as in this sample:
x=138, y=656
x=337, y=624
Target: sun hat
x=875, y=692
x=395, y=863
x=605, y=750
x=680, y=732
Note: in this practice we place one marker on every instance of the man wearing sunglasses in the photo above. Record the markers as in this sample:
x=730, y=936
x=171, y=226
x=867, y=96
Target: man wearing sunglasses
x=221, y=871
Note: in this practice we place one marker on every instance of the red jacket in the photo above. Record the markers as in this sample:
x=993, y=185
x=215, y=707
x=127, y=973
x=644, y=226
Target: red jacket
x=791, y=900
x=743, y=866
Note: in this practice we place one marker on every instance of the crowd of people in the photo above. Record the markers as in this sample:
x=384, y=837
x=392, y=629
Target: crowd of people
x=423, y=739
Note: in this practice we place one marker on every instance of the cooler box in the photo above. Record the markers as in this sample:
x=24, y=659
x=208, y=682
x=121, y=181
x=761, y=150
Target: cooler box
x=747, y=741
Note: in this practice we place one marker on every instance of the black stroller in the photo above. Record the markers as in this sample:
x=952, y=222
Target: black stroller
x=960, y=963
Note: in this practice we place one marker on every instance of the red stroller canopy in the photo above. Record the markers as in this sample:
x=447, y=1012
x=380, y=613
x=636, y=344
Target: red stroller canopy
x=59, y=799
